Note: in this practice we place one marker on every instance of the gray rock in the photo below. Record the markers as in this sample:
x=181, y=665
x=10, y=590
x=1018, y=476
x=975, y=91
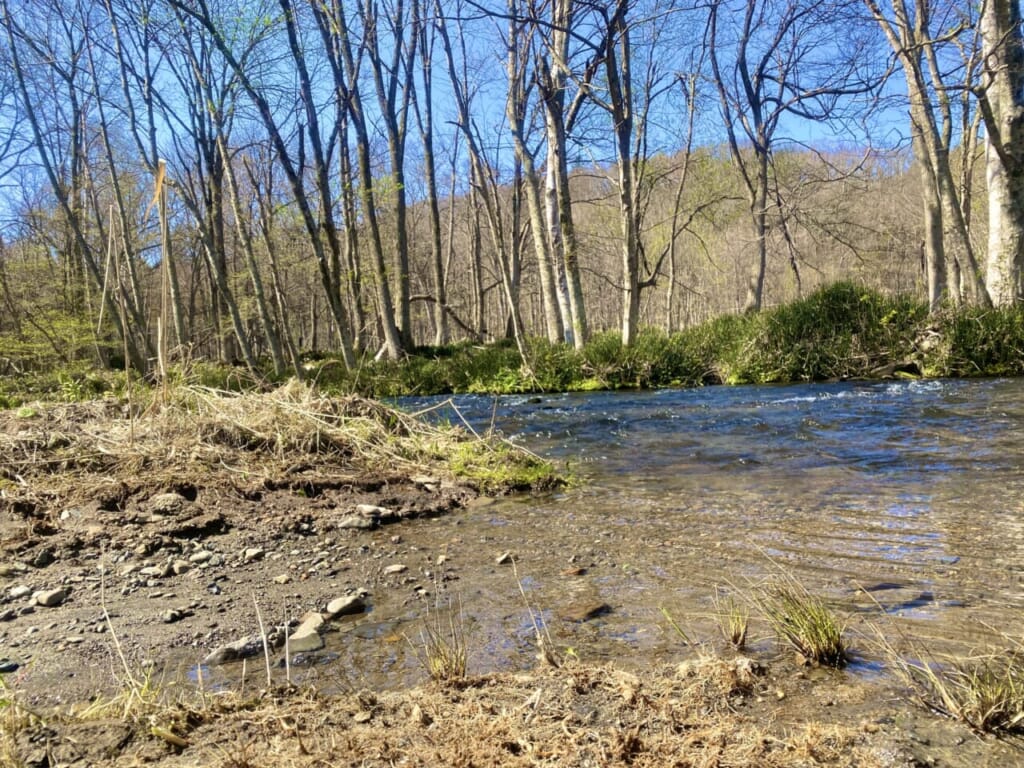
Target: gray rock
x=345, y=606
x=181, y=566
x=200, y=557
x=391, y=570
x=19, y=592
x=252, y=554
x=371, y=510
x=306, y=636
x=49, y=598
x=43, y=558
x=167, y=503
x=240, y=649
x=172, y=615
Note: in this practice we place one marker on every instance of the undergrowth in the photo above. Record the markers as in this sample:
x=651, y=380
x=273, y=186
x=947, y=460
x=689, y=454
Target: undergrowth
x=841, y=331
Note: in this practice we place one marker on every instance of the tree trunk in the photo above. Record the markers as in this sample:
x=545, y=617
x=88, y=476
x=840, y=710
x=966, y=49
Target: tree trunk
x=1002, y=104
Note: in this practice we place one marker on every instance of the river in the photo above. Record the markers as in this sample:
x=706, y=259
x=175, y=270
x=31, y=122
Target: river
x=898, y=502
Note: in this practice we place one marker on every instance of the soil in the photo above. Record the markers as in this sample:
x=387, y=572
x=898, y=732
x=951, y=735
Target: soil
x=150, y=573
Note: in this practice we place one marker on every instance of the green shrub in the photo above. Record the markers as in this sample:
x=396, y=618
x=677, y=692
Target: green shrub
x=979, y=342
x=840, y=331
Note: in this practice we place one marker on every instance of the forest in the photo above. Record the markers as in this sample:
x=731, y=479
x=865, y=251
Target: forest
x=255, y=181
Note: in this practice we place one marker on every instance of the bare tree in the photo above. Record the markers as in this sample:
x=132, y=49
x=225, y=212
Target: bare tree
x=945, y=227
x=424, y=110
x=1001, y=99
x=59, y=138
x=777, y=59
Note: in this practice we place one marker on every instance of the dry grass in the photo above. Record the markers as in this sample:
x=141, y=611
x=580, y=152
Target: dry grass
x=211, y=437
x=985, y=691
x=703, y=713
x=442, y=646
x=15, y=717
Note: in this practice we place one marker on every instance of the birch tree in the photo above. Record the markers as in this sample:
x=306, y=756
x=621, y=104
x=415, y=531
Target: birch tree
x=1002, y=103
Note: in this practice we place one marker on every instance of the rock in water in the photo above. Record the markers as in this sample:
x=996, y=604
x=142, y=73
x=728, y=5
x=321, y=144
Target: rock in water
x=345, y=606
x=306, y=636
x=585, y=611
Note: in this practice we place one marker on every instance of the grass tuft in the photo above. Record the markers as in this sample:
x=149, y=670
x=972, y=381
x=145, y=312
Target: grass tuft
x=733, y=619
x=985, y=691
x=442, y=648
x=803, y=621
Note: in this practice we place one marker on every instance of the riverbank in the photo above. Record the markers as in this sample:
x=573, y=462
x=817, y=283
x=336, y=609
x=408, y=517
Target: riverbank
x=181, y=585
x=841, y=332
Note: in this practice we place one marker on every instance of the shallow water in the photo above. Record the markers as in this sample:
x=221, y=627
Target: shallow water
x=901, y=503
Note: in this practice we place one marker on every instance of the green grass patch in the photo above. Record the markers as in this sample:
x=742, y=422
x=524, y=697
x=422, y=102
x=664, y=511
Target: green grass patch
x=803, y=621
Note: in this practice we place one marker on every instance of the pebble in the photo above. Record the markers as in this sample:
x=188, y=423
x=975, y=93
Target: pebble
x=253, y=554
x=181, y=566
x=172, y=615
x=284, y=578
x=391, y=570
x=19, y=592
x=200, y=557
x=49, y=598
x=357, y=522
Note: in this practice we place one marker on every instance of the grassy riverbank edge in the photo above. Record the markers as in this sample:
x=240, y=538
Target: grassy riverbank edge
x=840, y=332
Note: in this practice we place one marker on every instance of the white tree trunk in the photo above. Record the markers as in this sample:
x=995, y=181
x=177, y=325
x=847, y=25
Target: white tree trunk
x=1003, y=108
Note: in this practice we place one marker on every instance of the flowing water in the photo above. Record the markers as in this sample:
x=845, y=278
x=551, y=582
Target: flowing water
x=901, y=503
